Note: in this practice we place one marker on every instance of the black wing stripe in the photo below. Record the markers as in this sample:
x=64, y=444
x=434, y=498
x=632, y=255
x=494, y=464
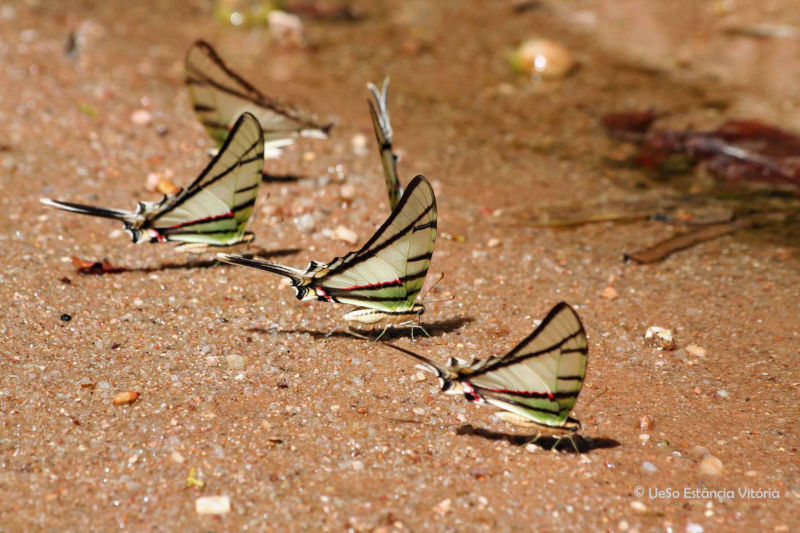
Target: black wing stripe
x=508, y=361
x=333, y=293
x=194, y=189
x=253, y=94
x=530, y=394
x=244, y=205
x=250, y=188
x=421, y=257
x=431, y=224
x=361, y=257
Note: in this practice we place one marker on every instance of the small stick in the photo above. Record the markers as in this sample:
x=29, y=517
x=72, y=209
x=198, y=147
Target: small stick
x=667, y=247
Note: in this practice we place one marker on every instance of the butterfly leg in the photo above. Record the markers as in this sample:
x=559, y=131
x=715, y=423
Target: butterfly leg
x=354, y=333
x=382, y=333
x=412, y=326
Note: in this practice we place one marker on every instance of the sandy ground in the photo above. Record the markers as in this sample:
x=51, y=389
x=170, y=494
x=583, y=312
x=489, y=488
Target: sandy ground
x=237, y=379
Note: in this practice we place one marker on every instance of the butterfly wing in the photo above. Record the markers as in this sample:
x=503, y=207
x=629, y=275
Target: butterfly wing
x=539, y=379
x=379, y=113
x=219, y=96
x=389, y=271
x=215, y=208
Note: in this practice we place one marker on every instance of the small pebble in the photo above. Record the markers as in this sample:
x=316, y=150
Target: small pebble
x=647, y=466
x=638, y=506
x=305, y=223
x=419, y=376
x=359, y=144
x=610, y=293
x=285, y=28
x=419, y=411
x=493, y=243
x=177, y=457
x=645, y=423
x=542, y=58
x=151, y=182
x=212, y=505
x=443, y=507
x=691, y=527
x=722, y=393
x=347, y=192
x=123, y=398
x=66, y=318
x=141, y=117
x=695, y=351
x=711, y=466
x=344, y=234
x=644, y=437
x=234, y=362
x=660, y=338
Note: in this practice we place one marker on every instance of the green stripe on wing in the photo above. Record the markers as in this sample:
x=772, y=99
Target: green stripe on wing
x=213, y=210
x=386, y=274
x=216, y=207
x=389, y=271
x=539, y=380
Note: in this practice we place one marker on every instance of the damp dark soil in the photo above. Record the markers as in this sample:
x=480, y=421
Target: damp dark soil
x=240, y=385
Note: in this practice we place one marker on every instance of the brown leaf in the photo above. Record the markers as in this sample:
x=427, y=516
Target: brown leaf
x=95, y=267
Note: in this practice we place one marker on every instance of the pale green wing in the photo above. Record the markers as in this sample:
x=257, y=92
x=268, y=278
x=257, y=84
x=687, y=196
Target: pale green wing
x=383, y=134
x=219, y=96
x=539, y=379
x=389, y=271
x=215, y=208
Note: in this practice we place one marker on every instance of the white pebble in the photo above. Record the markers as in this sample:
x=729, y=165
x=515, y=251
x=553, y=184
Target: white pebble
x=543, y=58
x=234, y=362
x=636, y=505
x=305, y=223
x=212, y=505
x=141, y=117
x=285, y=28
x=443, y=507
x=347, y=191
x=660, y=338
x=696, y=351
x=344, y=234
x=359, y=144
x=647, y=466
x=691, y=527
x=711, y=466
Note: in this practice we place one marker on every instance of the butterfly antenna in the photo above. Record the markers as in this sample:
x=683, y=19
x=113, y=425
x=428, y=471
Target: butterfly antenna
x=422, y=298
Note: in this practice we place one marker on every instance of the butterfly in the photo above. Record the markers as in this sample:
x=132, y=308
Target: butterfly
x=384, y=277
x=219, y=95
x=536, y=384
x=383, y=134
x=213, y=210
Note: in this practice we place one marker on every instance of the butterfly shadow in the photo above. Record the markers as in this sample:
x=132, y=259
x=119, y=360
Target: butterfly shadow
x=435, y=329
x=104, y=267
x=583, y=444
x=267, y=177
